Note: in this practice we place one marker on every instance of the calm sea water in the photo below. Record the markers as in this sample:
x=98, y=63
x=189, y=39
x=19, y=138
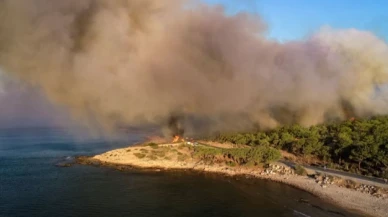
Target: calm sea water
x=31, y=185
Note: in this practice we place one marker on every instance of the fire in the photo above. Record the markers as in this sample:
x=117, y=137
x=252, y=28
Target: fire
x=177, y=139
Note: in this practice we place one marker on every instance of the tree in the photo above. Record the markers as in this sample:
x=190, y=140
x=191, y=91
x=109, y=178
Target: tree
x=344, y=140
x=363, y=150
x=312, y=145
x=363, y=142
x=382, y=158
x=286, y=139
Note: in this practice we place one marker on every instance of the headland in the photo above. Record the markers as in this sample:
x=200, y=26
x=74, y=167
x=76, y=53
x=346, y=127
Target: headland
x=352, y=193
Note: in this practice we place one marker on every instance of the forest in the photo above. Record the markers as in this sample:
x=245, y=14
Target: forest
x=356, y=145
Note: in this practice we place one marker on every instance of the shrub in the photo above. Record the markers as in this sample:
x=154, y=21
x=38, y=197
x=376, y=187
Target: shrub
x=263, y=154
x=159, y=153
x=299, y=170
x=153, y=145
x=144, y=150
x=153, y=157
x=231, y=164
x=139, y=155
x=240, y=156
x=271, y=154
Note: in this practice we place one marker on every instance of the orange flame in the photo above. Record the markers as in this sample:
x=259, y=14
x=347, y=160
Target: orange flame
x=178, y=139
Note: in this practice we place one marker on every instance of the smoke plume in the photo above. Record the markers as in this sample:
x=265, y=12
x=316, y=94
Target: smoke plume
x=138, y=62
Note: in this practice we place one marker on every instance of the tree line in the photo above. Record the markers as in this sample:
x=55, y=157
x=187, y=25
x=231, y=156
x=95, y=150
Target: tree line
x=359, y=146
x=238, y=156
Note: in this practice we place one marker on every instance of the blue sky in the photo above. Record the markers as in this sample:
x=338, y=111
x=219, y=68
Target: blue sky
x=294, y=19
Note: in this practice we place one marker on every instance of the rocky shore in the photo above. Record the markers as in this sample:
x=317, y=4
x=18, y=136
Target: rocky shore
x=370, y=200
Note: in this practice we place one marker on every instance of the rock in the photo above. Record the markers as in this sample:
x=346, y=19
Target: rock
x=278, y=169
x=63, y=165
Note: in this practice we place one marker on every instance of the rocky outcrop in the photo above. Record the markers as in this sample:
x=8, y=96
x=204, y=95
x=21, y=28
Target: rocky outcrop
x=372, y=190
x=278, y=169
x=325, y=181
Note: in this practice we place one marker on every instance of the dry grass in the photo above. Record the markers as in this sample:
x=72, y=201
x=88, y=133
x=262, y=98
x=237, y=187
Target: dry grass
x=182, y=157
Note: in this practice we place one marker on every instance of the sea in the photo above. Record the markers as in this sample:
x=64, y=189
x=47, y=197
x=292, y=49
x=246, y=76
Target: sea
x=32, y=184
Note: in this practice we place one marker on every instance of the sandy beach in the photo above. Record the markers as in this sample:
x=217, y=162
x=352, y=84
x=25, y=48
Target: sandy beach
x=177, y=156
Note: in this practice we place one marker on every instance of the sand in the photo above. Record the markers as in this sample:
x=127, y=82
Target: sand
x=175, y=156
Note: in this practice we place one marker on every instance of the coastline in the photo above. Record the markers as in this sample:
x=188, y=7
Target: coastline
x=133, y=157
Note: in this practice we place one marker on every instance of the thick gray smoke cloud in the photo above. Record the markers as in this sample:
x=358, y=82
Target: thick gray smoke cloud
x=135, y=62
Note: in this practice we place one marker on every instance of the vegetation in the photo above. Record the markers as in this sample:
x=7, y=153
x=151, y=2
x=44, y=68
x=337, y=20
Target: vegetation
x=359, y=146
x=182, y=157
x=153, y=145
x=153, y=157
x=237, y=156
x=299, y=170
x=145, y=151
x=139, y=155
x=161, y=153
x=231, y=163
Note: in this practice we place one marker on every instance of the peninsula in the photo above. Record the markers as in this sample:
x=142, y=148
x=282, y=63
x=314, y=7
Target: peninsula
x=353, y=193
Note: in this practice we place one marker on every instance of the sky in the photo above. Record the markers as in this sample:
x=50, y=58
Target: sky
x=296, y=19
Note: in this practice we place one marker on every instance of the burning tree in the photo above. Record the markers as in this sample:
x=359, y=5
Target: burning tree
x=176, y=128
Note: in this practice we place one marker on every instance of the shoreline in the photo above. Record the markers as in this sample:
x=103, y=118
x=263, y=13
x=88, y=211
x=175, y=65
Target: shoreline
x=129, y=158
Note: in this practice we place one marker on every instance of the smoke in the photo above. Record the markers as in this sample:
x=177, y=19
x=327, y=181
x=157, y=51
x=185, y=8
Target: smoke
x=138, y=62
x=2, y=85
